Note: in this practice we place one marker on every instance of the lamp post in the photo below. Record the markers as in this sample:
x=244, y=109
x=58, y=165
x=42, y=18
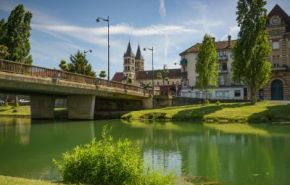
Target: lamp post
x=152, y=50
x=108, y=21
x=85, y=52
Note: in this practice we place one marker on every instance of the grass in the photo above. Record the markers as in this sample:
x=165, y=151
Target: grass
x=266, y=111
x=15, y=110
x=5, y=180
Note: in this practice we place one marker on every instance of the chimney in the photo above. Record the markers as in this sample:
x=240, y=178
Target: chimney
x=229, y=40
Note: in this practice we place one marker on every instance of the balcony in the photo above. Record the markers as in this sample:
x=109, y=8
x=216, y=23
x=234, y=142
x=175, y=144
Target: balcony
x=223, y=57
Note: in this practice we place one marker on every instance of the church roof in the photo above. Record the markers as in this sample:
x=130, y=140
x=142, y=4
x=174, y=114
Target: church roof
x=118, y=77
x=277, y=10
x=129, y=52
x=138, y=54
x=147, y=75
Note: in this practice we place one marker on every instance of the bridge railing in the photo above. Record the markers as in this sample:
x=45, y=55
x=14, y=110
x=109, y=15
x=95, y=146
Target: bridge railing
x=121, y=86
x=30, y=70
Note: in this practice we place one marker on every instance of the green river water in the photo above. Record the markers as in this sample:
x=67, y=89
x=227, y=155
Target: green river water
x=234, y=154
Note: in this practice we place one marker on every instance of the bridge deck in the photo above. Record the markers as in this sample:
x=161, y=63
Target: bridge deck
x=33, y=79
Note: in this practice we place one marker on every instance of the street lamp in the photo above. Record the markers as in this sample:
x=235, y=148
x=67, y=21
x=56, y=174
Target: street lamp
x=152, y=50
x=108, y=21
x=85, y=52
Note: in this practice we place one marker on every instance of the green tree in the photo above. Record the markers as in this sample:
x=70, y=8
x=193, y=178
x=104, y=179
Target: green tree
x=15, y=35
x=78, y=64
x=3, y=51
x=250, y=65
x=206, y=65
x=102, y=74
x=63, y=65
x=163, y=74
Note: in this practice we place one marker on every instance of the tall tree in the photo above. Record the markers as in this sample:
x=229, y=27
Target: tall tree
x=250, y=65
x=79, y=64
x=206, y=65
x=102, y=74
x=15, y=35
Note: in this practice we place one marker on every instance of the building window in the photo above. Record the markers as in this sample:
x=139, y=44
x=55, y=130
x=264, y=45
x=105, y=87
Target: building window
x=275, y=65
x=237, y=93
x=275, y=45
x=221, y=80
x=222, y=94
x=223, y=67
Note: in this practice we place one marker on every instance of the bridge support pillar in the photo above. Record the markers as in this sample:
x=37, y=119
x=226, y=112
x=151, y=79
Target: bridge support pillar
x=42, y=107
x=147, y=103
x=81, y=107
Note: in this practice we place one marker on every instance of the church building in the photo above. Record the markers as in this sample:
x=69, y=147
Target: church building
x=134, y=73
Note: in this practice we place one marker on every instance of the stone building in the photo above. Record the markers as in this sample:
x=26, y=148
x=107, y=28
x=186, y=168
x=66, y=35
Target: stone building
x=278, y=88
x=278, y=27
x=133, y=69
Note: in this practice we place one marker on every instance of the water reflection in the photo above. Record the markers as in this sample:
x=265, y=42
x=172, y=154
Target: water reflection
x=19, y=128
x=233, y=154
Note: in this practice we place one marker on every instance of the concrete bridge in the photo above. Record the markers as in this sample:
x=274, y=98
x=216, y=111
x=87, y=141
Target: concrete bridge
x=84, y=94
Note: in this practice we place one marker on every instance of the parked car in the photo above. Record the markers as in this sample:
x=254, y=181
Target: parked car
x=24, y=101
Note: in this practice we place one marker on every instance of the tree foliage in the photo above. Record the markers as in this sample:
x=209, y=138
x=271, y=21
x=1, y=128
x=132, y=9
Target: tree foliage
x=103, y=74
x=78, y=64
x=163, y=74
x=206, y=65
x=250, y=65
x=15, y=33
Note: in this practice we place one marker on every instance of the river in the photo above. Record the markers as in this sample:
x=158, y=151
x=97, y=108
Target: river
x=236, y=154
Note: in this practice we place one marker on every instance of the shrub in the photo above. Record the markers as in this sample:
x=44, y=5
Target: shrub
x=108, y=163
x=102, y=162
x=218, y=103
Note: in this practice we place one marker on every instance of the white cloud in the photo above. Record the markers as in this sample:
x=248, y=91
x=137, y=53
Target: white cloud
x=162, y=9
x=233, y=31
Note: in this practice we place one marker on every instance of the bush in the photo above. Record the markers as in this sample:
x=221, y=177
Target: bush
x=218, y=103
x=108, y=163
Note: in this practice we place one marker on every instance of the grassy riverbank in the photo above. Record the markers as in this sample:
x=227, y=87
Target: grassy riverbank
x=6, y=180
x=266, y=111
x=14, y=111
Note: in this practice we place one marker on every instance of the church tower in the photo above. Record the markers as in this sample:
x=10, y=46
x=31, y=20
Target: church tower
x=129, y=63
x=139, y=61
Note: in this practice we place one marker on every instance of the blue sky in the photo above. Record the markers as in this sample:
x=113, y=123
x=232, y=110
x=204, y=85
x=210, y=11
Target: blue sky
x=60, y=28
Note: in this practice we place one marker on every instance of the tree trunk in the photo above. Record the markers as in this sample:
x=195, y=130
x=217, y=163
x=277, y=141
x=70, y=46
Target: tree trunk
x=253, y=95
x=6, y=100
x=206, y=98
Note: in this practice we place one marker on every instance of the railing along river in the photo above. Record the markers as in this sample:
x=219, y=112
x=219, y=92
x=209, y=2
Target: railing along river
x=54, y=74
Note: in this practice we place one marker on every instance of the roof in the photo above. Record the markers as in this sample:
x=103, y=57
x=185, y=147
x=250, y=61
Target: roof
x=138, y=54
x=118, y=77
x=129, y=52
x=145, y=75
x=277, y=10
x=219, y=45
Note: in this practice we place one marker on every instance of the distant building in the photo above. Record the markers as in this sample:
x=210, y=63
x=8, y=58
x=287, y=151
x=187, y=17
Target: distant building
x=278, y=88
x=227, y=88
x=133, y=71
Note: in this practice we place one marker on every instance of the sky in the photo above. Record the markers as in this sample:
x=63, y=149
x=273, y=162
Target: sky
x=61, y=28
